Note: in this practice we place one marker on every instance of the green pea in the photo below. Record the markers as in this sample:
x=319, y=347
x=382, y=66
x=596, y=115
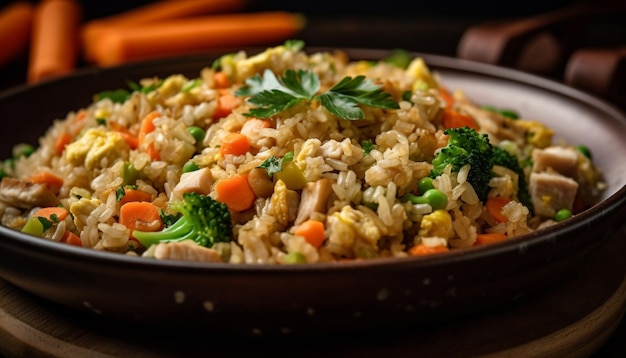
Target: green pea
x=190, y=167
x=23, y=150
x=436, y=198
x=294, y=258
x=197, y=133
x=425, y=184
x=509, y=113
x=584, y=150
x=562, y=214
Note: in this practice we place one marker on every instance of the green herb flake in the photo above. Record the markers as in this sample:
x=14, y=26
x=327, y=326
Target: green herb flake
x=45, y=223
x=189, y=85
x=367, y=146
x=273, y=165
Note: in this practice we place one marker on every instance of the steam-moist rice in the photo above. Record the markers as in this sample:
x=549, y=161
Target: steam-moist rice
x=363, y=214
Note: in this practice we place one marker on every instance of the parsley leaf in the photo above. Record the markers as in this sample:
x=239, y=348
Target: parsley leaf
x=45, y=223
x=274, y=165
x=272, y=95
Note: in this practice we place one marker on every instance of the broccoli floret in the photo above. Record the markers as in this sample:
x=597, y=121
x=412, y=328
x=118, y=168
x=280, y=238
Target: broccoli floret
x=503, y=158
x=467, y=146
x=204, y=220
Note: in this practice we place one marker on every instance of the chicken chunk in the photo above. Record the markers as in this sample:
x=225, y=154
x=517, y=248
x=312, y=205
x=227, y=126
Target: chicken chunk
x=552, y=192
x=560, y=159
x=25, y=194
x=199, y=181
x=186, y=250
x=313, y=199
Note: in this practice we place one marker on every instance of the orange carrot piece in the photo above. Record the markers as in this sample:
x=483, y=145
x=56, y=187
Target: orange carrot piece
x=147, y=126
x=421, y=250
x=234, y=143
x=312, y=231
x=225, y=105
x=52, y=181
x=54, y=44
x=235, y=192
x=494, y=207
x=140, y=215
x=194, y=35
x=15, y=29
x=221, y=80
x=155, y=12
x=61, y=142
x=134, y=195
x=71, y=238
x=132, y=140
x=48, y=212
x=456, y=119
x=484, y=239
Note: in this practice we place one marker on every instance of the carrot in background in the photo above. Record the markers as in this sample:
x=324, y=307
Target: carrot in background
x=52, y=181
x=421, y=250
x=194, y=35
x=152, y=13
x=15, y=24
x=235, y=192
x=54, y=40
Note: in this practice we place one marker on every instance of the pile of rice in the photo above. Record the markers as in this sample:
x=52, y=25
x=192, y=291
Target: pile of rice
x=363, y=214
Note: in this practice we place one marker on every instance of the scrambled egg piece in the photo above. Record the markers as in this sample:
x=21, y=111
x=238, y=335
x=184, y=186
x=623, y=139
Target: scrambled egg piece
x=436, y=224
x=94, y=146
x=256, y=64
x=423, y=77
x=537, y=133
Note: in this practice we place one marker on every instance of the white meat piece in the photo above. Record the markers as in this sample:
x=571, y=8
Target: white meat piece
x=25, y=194
x=560, y=159
x=551, y=193
x=313, y=199
x=199, y=181
x=186, y=250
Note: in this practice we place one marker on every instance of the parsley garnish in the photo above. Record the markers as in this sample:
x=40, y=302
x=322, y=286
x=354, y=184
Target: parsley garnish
x=44, y=222
x=272, y=95
x=367, y=146
x=274, y=165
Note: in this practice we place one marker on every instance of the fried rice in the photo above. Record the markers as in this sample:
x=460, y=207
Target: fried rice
x=355, y=168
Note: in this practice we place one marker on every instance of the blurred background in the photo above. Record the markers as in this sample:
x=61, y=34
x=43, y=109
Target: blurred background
x=436, y=27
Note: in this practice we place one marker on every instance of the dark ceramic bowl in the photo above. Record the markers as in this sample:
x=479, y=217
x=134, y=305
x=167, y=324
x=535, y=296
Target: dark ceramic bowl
x=319, y=298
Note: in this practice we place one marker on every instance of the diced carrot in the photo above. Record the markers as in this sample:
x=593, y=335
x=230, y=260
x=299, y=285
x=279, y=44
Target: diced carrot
x=140, y=215
x=153, y=12
x=221, y=80
x=225, y=105
x=234, y=143
x=61, y=142
x=494, y=207
x=446, y=96
x=312, y=231
x=484, y=239
x=133, y=141
x=235, y=192
x=81, y=115
x=71, y=238
x=54, y=44
x=134, y=195
x=15, y=27
x=52, y=181
x=147, y=126
x=195, y=34
x=52, y=212
x=421, y=250
x=456, y=119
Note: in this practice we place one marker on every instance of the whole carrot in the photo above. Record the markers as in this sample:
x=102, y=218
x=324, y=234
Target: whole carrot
x=15, y=25
x=54, y=41
x=152, y=13
x=193, y=35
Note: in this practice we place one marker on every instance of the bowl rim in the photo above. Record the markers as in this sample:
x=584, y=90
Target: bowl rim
x=613, y=202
